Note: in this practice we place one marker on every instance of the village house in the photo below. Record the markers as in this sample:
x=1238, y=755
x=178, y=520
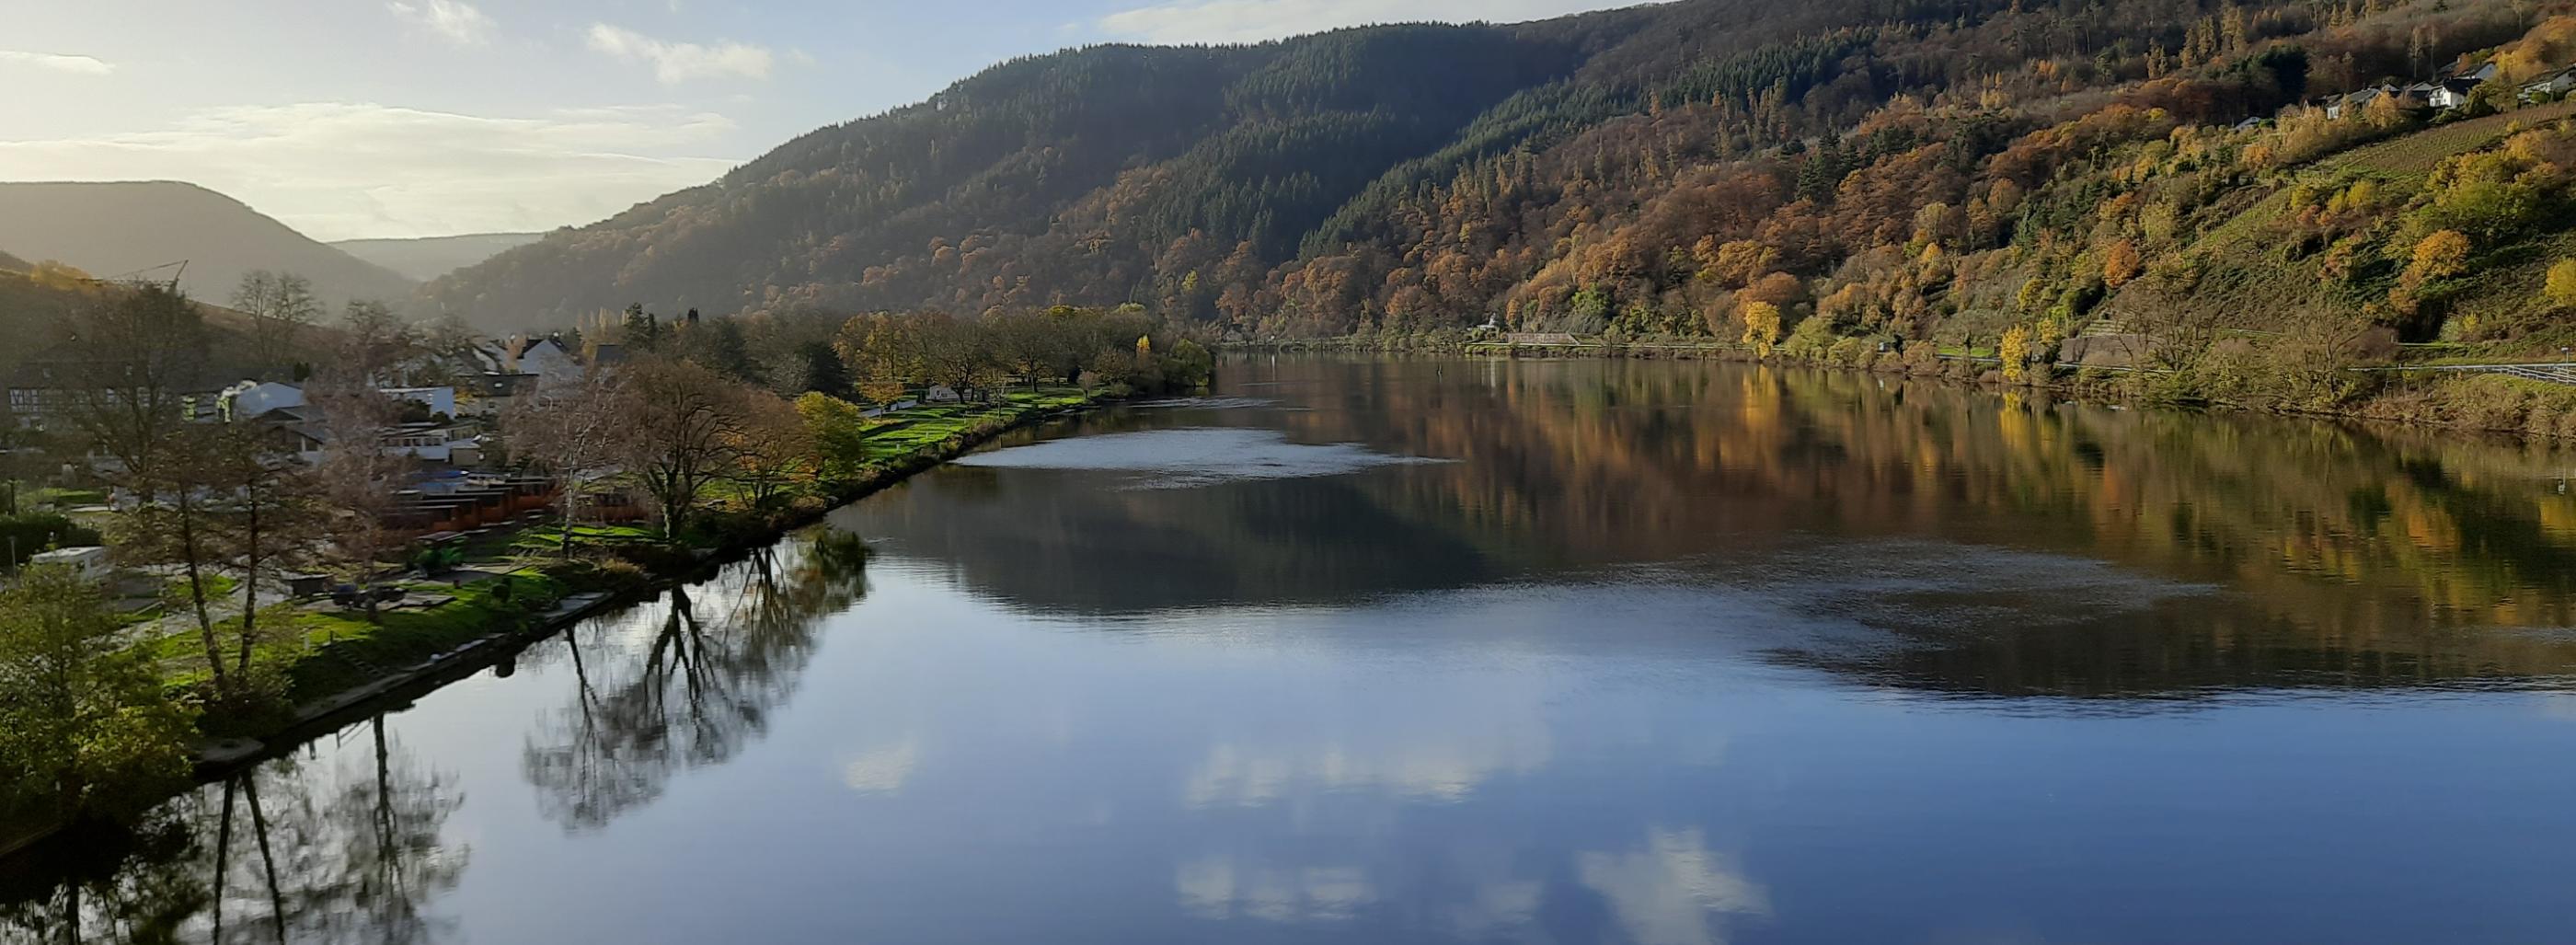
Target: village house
x=2453, y=93
x=49, y=385
x=2548, y=87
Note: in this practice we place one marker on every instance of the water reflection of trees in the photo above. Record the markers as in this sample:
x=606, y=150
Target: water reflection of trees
x=284, y=853
x=2351, y=557
x=352, y=850
x=688, y=681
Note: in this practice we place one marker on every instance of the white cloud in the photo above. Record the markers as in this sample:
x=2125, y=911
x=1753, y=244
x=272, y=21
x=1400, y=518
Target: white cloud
x=57, y=62
x=460, y=22
x=674, y=63
x=1251, y=21
x=339, y=170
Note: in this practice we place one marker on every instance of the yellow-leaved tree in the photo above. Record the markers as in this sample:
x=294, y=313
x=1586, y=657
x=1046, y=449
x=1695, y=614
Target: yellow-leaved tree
x=2560, y=290
x=2015, y=352
x=2441, y=255
x=1761, y=326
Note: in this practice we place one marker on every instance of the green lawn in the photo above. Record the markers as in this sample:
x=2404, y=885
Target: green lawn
x=329, y=651
x=906, y=432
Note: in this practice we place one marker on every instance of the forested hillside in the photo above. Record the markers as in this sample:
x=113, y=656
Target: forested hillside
x=114, y=229
x=1856, y=173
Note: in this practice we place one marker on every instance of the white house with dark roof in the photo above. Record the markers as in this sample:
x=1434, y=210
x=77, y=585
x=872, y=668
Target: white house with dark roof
x=2453, y=93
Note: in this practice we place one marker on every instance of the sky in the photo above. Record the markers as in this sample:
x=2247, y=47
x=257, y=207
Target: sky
x=399, y=118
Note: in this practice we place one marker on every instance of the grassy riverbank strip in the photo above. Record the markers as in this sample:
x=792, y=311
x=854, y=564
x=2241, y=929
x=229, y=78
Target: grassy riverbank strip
x=336, y=664
x=339, y=650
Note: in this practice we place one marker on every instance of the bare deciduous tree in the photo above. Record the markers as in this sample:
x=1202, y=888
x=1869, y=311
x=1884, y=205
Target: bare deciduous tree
x=136, y=356
x=362, y=480
x=280, y=305
x=574, y=432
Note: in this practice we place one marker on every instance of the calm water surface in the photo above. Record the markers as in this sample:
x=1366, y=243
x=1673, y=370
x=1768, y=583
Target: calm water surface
x=1449, y=651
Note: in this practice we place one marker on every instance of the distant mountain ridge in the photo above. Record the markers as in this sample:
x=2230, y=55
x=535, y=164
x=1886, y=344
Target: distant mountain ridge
x=428, y=258
x=111, y=229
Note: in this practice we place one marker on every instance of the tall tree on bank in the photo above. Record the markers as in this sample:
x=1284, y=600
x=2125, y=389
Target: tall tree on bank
x=681, y=423
x=176, y=524
x=270, y=516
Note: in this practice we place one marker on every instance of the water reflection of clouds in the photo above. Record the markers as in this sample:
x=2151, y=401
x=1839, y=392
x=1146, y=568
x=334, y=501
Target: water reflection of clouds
x=1673, y=891
x=1225, y=887
x=1670, y=889
x=884, y=769
x=1193, y=456
x=1439, y=765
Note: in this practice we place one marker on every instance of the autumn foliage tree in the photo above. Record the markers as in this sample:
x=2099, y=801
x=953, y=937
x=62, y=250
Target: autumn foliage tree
x=2014, y=352
x=2560, y=288
x=2440, y=255
x=2121, y=263
x=1761, y=327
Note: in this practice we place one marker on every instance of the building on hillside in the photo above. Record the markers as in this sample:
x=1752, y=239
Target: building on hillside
x=2549, y=86
x=432, y=442
x=2355, y=103
x=250, y=399
x=2453, y=93
x=48, y=386
x=546, y=359
x=440, y=401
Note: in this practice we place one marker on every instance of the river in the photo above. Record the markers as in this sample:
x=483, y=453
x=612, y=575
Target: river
x=1419, y=650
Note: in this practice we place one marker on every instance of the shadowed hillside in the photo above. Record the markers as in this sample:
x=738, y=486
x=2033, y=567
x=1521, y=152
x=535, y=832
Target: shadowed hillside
x=431, y=257
x=111, y=229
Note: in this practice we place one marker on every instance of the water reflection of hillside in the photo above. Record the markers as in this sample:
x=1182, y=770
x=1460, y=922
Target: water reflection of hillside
x=2339, y=557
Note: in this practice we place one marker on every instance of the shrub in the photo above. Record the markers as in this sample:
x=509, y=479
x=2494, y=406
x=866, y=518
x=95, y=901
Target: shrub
x=2560, y=289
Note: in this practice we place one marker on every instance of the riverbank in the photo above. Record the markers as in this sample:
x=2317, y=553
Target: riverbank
x=2468, y=403
x=483, y=611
